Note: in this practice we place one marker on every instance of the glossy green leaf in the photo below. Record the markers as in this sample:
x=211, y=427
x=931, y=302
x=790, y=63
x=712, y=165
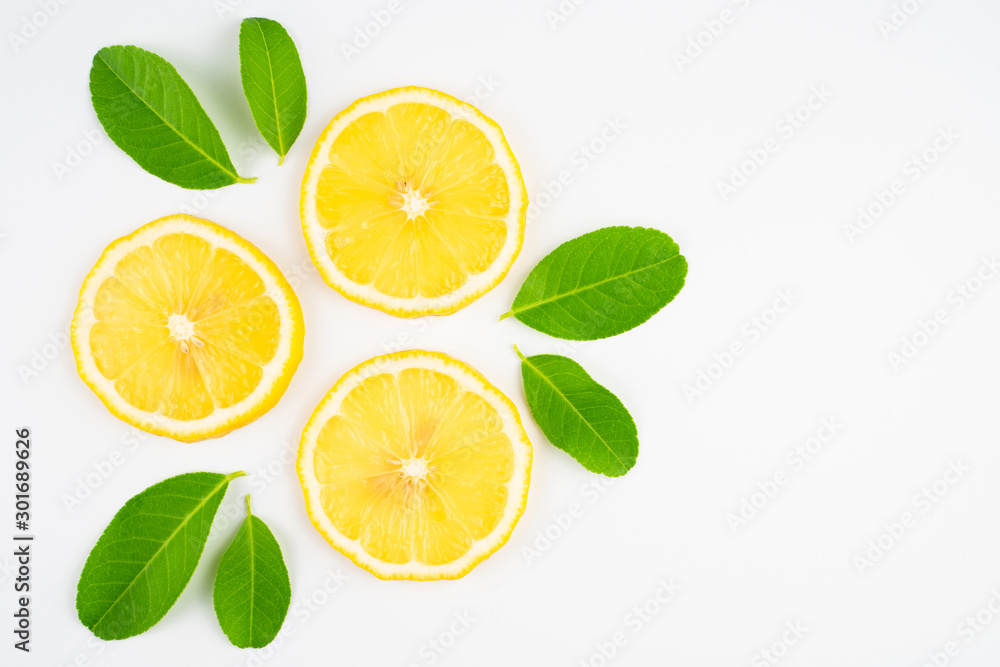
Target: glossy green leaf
x=151, y=113
x=601, y=284
x=273, y=82
x=252, y=592
x=578, y=415
x=147, y=554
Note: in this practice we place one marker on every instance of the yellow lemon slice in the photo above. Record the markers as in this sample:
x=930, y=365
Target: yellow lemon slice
x=413, y=203
x=414, y=466
x=187, y=330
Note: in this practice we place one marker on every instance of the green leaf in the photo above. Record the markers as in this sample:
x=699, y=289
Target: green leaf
x=601, y=284
x=146, y=555
x=578, y=415
x=252, y=592
x=150, y=113
x=273, y=82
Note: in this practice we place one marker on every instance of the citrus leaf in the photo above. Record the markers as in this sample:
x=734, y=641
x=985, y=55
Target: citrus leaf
x=578, y=415
x=151, y=113
x=601, y=284
x=147, y=554
x=252, y=592
x=273, y=82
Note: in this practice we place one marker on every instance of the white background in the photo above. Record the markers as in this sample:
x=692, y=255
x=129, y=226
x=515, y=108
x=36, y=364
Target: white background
x=553, y=87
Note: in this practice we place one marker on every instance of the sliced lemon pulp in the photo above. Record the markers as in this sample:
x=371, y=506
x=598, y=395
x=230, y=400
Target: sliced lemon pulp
x=413, y=203
x=185, y=329
x=414, y=466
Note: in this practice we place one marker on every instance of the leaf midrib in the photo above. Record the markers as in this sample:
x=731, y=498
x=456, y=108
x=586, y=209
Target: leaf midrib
x=193, y=145
x=252, y=571
x=577, y=290
x=274, y=92
x=225, y=481
x=574, y=408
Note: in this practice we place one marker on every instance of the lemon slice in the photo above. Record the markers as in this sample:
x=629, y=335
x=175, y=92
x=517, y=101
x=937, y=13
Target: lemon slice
x=413, y=203
x=414, y=466
x=185, y=329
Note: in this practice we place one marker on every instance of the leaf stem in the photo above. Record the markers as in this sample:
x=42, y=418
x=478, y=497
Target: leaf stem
x=240, y=179
x=249, y=513
x=232, y=476
x=519, y=353
x=506, y=315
